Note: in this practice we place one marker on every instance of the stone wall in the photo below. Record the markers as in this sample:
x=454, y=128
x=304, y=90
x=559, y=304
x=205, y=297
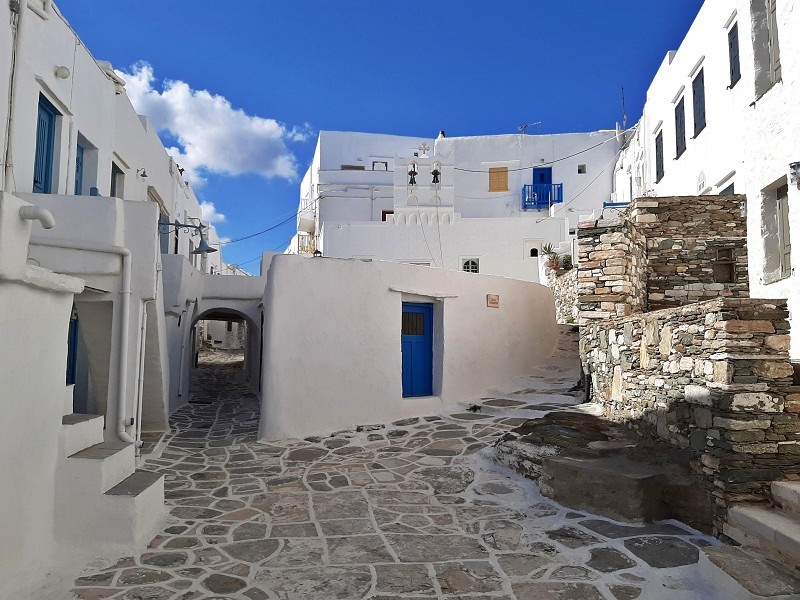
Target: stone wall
x=713, y=377
x=662, y=253
x=565, y=293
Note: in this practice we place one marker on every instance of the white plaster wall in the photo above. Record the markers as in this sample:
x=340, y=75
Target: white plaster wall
x=34, y=319
x=332, y=356
x=502, y=245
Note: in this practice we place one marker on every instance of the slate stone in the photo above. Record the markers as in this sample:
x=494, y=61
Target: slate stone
x=551, y=590
x=306, y=454
x=572, y=537
x=663, y=552
x=615, y=530
x=447, y=480
x=294, y=530
x=522, y=565
x=625, y=592
x=572, y=572
x=403, y=579
x=608, y=560
x=148, y=593
x=223, y=584
x=166, y=560
x=468, y=577
x=252, y=551
x=316, y=583
x=249, y=531
x=433, y=548
x=142, y=576
x=361, y=549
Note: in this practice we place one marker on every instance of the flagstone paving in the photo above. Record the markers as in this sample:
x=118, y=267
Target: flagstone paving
x=412, y=509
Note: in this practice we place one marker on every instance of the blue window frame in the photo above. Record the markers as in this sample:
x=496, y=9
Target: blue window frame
x=79, y=170
x=72, y=350
x=45, y=147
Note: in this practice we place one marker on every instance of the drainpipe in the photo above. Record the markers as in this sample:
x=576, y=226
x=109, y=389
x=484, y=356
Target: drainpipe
x=16, y=25
x=140, y=382
x=125, y=302
x=36, y=213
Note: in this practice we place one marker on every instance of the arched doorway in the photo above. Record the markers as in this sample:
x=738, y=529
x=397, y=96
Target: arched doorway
x=224, y=358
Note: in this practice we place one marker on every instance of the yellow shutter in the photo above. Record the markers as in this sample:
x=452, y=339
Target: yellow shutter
x=498, y=179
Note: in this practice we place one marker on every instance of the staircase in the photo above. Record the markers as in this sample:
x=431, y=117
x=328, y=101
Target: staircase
x=101, y=497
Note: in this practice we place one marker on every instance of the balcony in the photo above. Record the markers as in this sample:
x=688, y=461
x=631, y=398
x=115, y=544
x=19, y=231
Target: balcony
x=541, y=196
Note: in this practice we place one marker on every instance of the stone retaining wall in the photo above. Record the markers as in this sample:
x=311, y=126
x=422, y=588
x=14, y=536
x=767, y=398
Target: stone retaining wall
x=565, y=293
x=714, y=377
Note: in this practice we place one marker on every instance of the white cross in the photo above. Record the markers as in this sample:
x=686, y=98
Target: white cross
x=424, y=148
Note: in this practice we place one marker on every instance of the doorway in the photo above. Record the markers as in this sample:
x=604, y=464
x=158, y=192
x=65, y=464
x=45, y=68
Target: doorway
x=417, y=349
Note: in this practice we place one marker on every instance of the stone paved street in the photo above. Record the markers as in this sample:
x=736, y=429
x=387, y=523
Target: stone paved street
x=413, y=509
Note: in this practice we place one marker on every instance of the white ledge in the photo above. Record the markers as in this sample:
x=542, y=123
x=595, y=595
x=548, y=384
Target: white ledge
x=421, y=293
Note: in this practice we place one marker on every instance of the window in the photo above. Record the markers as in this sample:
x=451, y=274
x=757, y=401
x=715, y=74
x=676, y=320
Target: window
x=230, y=325
x=724, y=267
x=659, y=156
x=766, y=50
x=117, y=181
x=380, y=165
x=783, y=231
x=581, y=169
x=498, y=179
x=470, y=265
x=680, y=128
x=534, y=252
x=413, y=324
x=699, y=102
x=385, y=214
x=45, y=147
x=733, y=54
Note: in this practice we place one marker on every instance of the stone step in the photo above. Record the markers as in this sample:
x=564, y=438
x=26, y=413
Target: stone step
x=129, y=514
x=747, y=575
x=79, y=432
x=786, y=495
x=97, y=469
x=68, y=399
x=775, y=532
x=611, y=486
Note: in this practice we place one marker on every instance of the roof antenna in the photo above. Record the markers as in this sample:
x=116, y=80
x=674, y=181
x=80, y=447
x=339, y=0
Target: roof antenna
x=524, y=127
x=624, y=111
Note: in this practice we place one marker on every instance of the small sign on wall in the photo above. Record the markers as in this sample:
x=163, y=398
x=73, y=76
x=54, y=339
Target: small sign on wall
x=493, y=300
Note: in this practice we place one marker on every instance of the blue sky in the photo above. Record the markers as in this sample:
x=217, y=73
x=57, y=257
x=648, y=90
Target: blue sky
x=295, y=67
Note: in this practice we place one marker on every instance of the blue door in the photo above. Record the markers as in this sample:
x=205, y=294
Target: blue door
x=543, y=185
x=45, y=147
x=78, y=170
x=72, y=350
x=417, y=347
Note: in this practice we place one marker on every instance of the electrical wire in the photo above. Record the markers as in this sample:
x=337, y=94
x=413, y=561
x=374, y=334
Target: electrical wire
x=552, y=162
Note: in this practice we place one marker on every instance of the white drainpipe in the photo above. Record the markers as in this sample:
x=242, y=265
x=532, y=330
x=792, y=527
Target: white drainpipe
x=125, y=309
x=140, y=383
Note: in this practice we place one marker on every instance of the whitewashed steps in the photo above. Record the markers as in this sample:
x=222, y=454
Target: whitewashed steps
x=102, y=498
x=772, y=531
x=78, y=432
x=742, y=574
x=786, y=494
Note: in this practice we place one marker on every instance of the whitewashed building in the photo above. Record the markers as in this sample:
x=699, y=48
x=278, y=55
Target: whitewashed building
x=722, y=117
x=478, y=204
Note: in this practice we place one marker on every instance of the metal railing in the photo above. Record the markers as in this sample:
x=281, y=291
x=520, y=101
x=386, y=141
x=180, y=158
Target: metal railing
x=539, y=196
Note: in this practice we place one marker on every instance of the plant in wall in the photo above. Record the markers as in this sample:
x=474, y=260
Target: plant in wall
x=566, y=262
x=552, y=257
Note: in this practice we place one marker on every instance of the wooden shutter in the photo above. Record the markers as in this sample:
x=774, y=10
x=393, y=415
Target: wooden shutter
x=699, y=102
x=498, y=179
x=785, y=246
x=659, y=156
x=774, y=48
x=733, y=52
x=680, y=128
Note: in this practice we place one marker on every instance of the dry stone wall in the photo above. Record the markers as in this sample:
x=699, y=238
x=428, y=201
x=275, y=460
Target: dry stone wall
x=565, y=293
x=713, y=377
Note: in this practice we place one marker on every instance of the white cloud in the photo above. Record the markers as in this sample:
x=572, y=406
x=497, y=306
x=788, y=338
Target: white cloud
x=213, y=136
x=209, y=214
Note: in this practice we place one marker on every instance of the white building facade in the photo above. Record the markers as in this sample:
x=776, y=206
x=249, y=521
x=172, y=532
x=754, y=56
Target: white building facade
x=722, y=117
x=476, y=204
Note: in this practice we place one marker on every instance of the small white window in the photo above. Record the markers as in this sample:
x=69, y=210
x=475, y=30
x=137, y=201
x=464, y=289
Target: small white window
x=470, y=265
x=581, y=169
x=380, y=165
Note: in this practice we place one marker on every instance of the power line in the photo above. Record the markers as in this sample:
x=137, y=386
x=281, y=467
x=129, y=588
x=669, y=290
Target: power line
x=552, y=162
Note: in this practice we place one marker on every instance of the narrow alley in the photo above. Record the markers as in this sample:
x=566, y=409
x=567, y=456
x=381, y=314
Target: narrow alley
x=412, y=509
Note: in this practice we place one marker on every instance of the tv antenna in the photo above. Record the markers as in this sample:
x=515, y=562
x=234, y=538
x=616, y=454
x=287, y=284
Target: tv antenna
x=524, y=127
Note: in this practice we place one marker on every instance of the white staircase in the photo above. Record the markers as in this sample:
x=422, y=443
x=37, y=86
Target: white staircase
x=774, y=531
x=101, y=497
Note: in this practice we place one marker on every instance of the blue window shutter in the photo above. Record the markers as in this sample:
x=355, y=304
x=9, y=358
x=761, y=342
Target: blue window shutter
x=45, y=147
x=659, y=156
x=680, y=128
x=78, y=170
x=699, y=102
x=733, y=50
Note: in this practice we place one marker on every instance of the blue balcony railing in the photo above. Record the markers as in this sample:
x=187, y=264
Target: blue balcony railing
x=539, y=196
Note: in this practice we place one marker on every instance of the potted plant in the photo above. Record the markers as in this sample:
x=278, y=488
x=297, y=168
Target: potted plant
x=553, y=261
